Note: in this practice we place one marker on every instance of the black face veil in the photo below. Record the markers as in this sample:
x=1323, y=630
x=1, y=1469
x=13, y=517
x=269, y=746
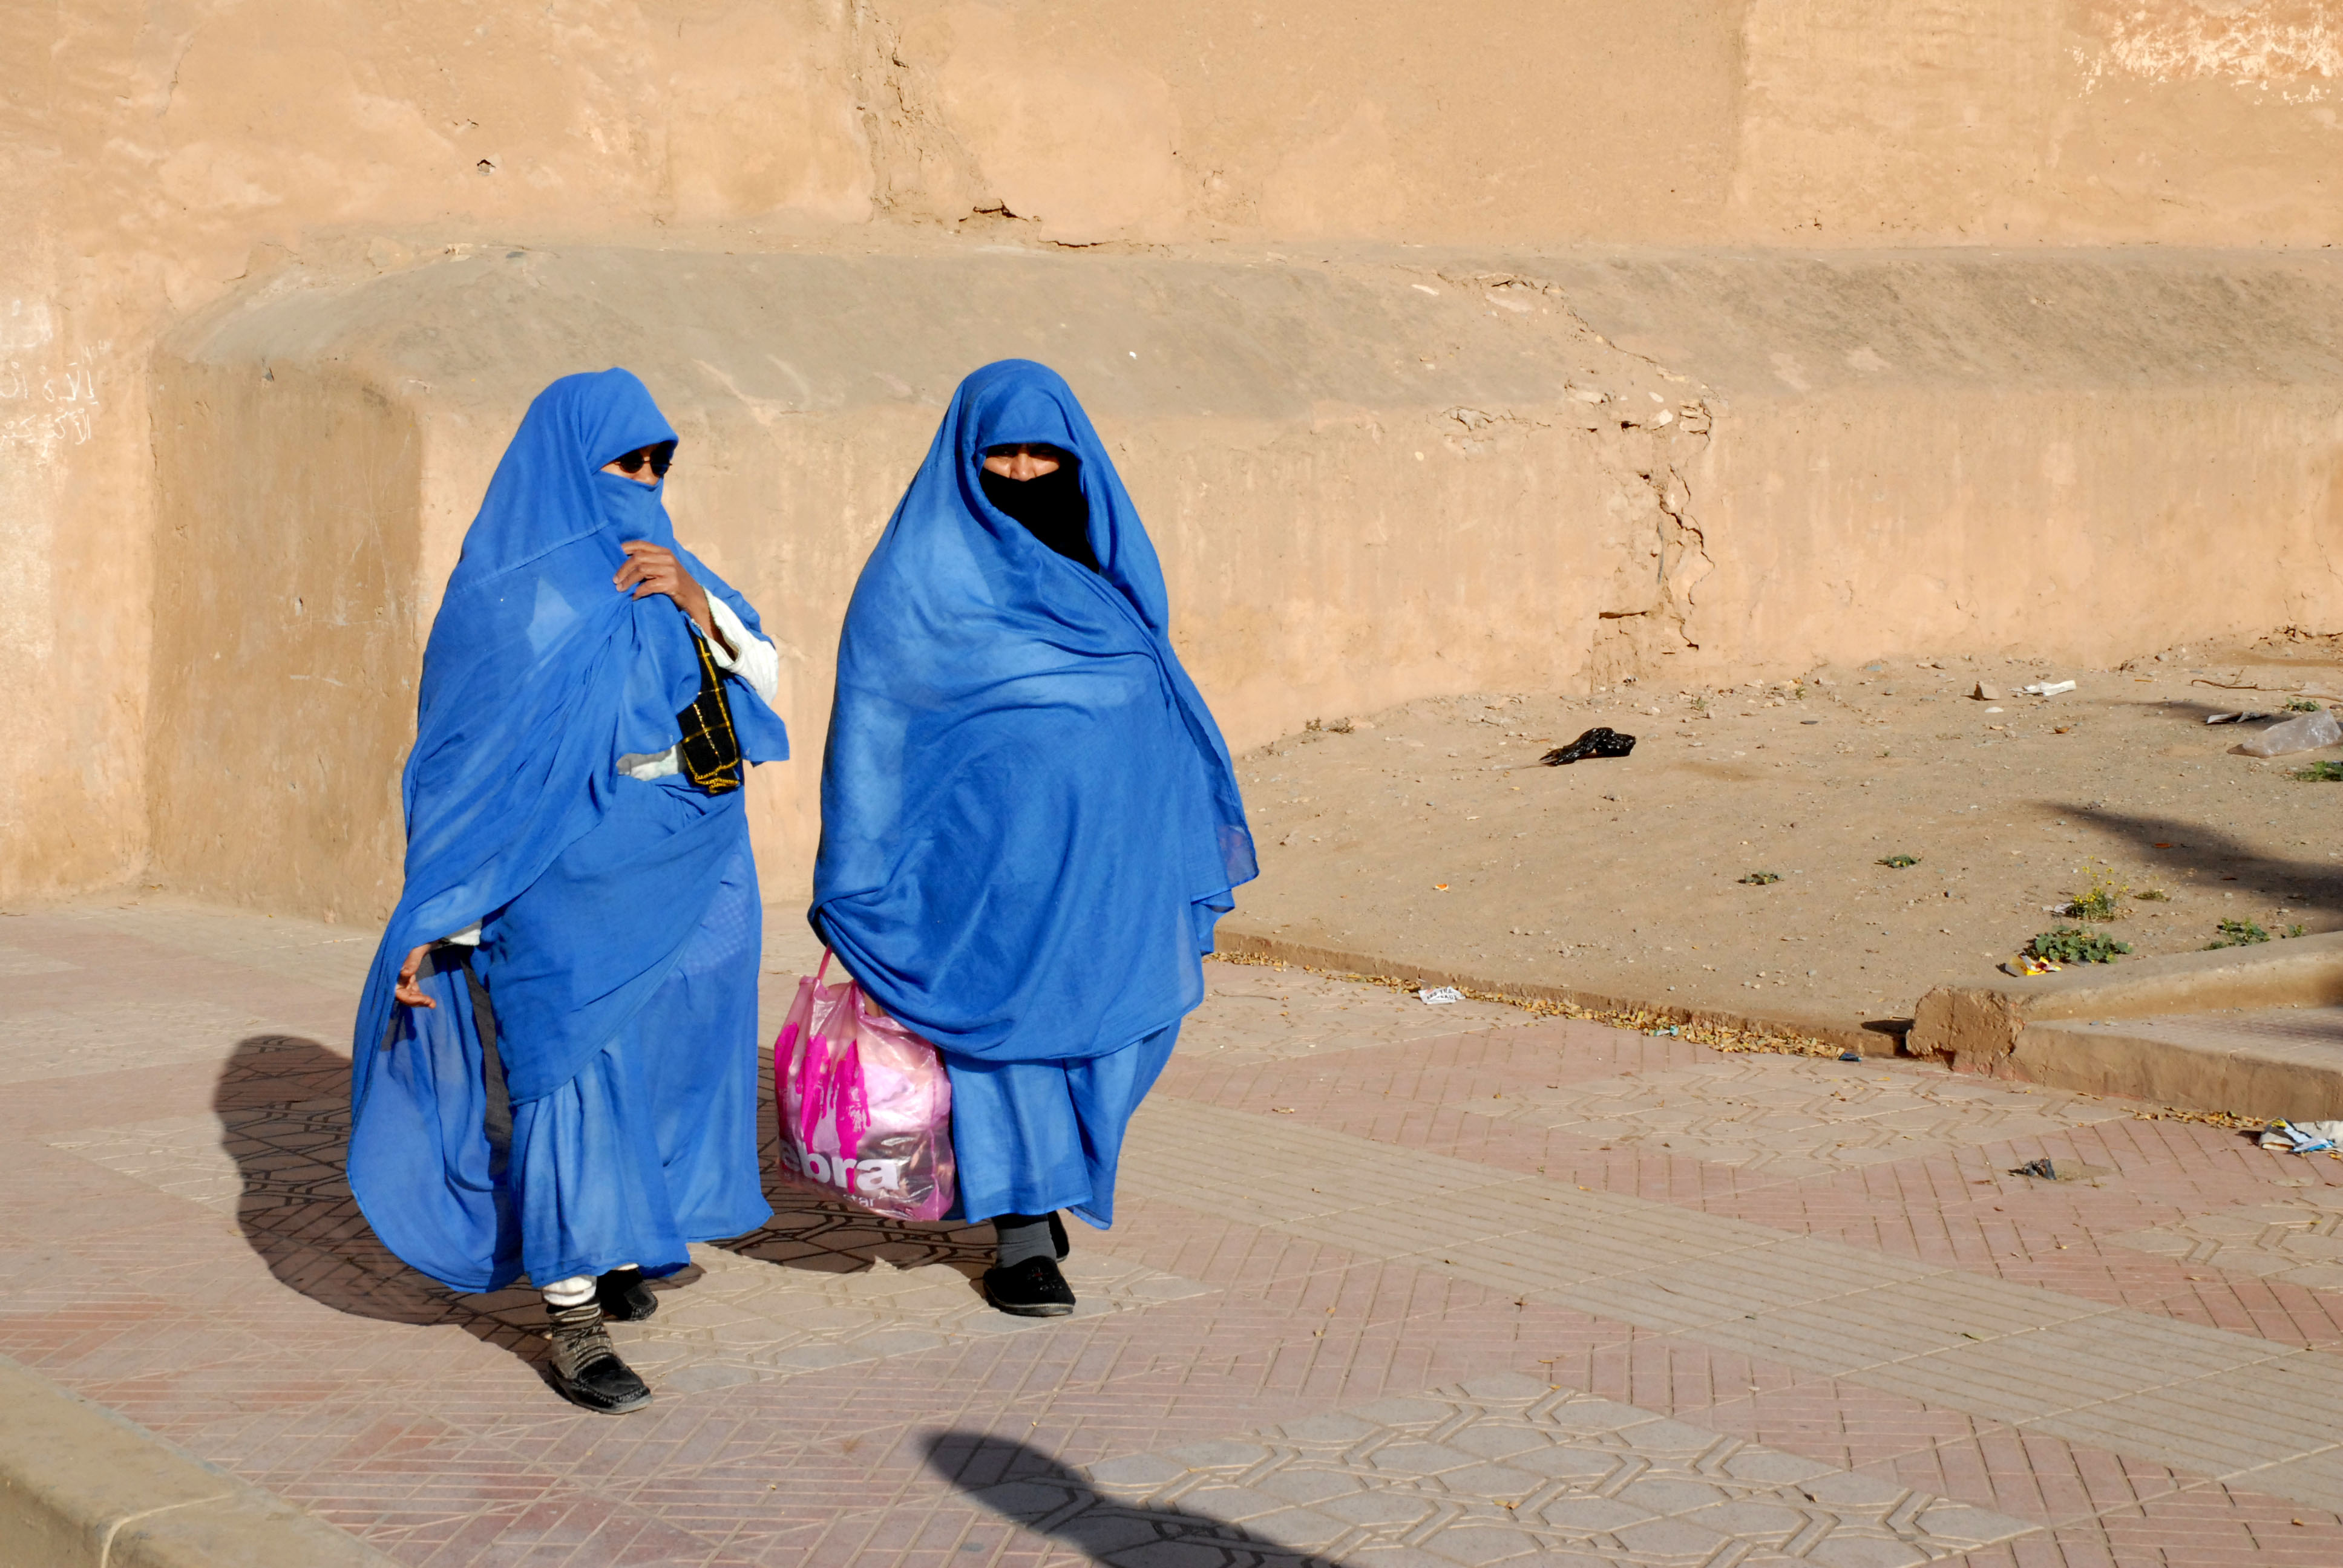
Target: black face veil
x=1050, y=507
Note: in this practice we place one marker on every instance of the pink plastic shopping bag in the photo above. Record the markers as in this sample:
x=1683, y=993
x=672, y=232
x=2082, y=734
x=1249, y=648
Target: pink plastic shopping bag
x=865, y=1105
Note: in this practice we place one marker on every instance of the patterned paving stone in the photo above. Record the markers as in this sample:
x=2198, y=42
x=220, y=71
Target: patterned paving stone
x=108, y=1036
x=2214, y=1402
x=1796, y=1321
x=185, y=1156
x=2298, y=1243
x=1501, y=1468
x=1793, y=1117
x=821, y=1286
x=746, y=1319
x=312, y=952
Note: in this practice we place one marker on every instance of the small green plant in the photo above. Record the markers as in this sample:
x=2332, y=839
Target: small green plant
x=1897, y=863
x=2302, y=705
x=1762, y=879
x=2074, y=945
x=2246, y=933
x=2101, y=897
x=2321, y=773
x=2153, y=896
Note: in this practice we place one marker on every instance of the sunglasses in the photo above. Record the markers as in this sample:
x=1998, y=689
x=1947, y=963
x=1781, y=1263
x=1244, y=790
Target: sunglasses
x=658, y=456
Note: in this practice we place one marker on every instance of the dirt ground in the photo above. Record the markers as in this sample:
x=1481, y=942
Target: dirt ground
x=1430, y=832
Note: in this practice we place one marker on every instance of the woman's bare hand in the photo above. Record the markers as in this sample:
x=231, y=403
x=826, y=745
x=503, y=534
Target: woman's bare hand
x=408, y=992
x=652, y=568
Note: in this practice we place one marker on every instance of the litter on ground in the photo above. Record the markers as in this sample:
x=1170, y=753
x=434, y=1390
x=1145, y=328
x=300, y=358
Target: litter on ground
x=2308, y=733
x=1439, y=996
x=2302, y=1137
x=1599, y=741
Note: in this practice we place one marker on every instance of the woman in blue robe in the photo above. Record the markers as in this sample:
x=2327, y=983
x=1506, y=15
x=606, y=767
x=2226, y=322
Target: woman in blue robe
x=555, y=1067
x=1030, y=823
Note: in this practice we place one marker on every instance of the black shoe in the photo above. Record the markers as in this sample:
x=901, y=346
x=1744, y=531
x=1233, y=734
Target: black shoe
x=585, y=1366
x=1058, y=1236
x=623, y=1297
x=1032, y=1289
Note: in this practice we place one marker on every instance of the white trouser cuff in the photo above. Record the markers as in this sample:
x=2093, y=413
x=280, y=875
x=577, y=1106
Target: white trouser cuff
x=574, y=1291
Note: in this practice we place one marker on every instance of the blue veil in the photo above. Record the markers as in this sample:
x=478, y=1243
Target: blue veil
x=537, y=675
x=1030, y=821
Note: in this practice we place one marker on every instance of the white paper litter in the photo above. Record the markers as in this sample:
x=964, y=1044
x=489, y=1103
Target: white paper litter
x=2050, y=687
x=1440, y=996
x=2303, y=1137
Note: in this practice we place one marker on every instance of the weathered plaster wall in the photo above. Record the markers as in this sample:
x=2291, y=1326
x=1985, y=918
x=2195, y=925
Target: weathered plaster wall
x=1367, y=481
x=285, y=631
x=1341, y=528
x=1807, y=121
x=2076, y=454
x=2195, y=122
x=162, y=155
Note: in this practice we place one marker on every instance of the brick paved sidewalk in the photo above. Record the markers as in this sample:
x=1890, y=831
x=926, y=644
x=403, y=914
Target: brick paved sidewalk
x=1395, y=1285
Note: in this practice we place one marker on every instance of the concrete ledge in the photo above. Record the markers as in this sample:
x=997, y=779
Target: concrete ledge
x=1236, y=939
x=1976, y=1027
x=81, y=1487
x=2247, y=1076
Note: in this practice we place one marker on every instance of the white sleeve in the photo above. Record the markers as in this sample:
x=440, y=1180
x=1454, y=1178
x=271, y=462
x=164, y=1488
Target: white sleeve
x=469, y=937
x=756, y=662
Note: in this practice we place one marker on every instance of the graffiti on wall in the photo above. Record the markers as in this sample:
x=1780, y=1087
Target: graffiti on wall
x=48, y=398
x=48, y=405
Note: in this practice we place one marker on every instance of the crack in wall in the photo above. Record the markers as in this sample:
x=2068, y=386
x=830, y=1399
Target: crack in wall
x=920, y=169
x=1628, y=641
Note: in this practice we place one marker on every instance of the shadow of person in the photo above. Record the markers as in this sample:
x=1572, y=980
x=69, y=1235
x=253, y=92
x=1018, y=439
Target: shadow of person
x=1025, y=1485
x=820, y=1233
x=283, y=1104
x=283, y=1109
x=2213, y=858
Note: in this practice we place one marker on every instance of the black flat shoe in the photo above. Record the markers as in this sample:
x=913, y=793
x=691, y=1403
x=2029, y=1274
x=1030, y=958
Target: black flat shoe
x=1032, y=1289
x=625, y=1298
x=585, y=1367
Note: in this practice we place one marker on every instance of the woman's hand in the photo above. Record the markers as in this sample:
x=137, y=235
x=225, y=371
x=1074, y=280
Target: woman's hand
x=651, y=569
x=408, y=992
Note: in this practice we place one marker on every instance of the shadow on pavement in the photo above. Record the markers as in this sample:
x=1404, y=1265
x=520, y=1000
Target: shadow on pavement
x=1029, y=1487
x=283, y=1109
x=283, y=1104
x=814, y=1231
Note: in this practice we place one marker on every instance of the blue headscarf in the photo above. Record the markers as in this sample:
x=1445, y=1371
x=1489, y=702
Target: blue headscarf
x=539, y=675
x=1030, y=821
